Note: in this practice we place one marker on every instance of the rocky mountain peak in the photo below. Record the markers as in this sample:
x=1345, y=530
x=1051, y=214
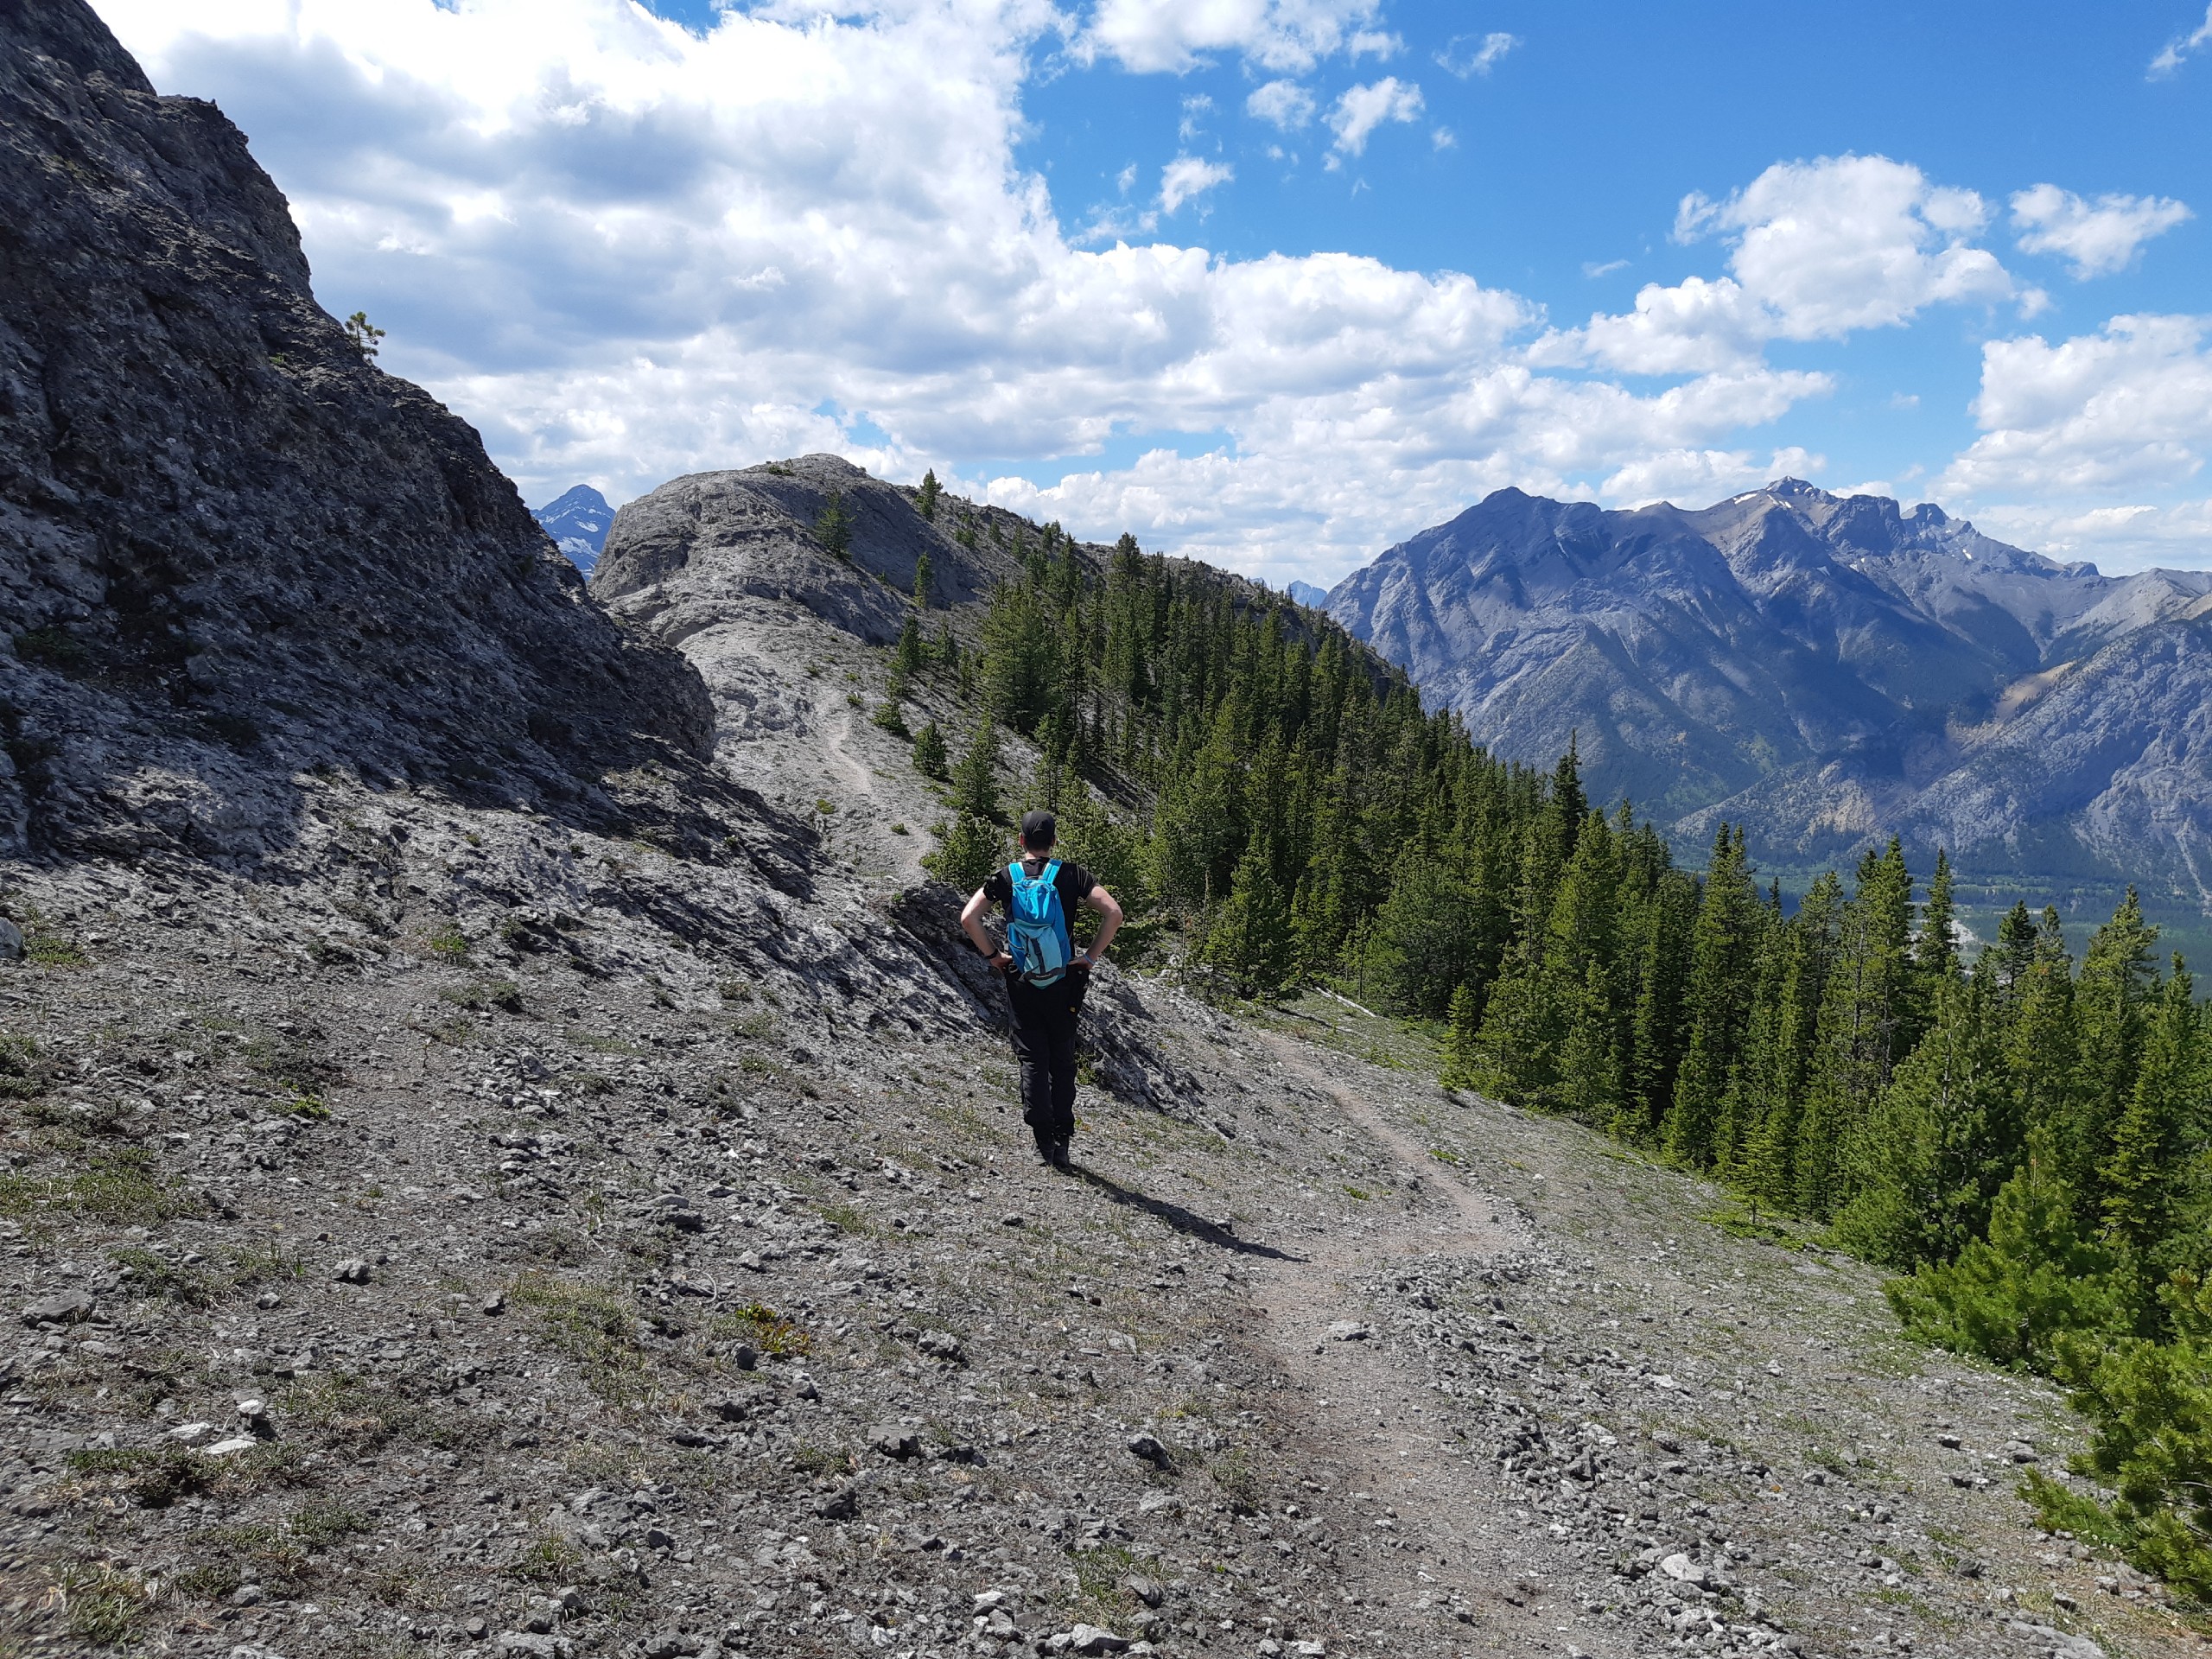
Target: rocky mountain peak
x=577, y=520
x=233, y=550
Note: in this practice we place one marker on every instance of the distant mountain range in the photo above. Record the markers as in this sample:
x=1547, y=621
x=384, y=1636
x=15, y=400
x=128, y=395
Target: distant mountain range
x=1306, y=593
x=1829, y=670
x=578, y=521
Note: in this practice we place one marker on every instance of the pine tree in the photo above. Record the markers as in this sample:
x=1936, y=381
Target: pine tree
x=2111, y=998
x=925, y=582
x=2142, y=1180
x=1589, y=1068
x=1659, y=1032
x=929, y=757
x=1252, y=940
x=1717, y=1001
x=1862, y=1011
x=975, y=780
x=1460, y=1069
x=907, y=659
x=925, y=498
x=1773, y=1072
x=966, y=854
x=2034, y=1280
x=1935, y=957
x=1930, y=1157
x=1419, y=950
x=2043, y=1047
x=833, y=527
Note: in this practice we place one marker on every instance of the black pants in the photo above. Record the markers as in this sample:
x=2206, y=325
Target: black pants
x=1044, y=1042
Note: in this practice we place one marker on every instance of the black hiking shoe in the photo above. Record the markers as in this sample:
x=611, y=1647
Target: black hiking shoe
x=1057, y=1154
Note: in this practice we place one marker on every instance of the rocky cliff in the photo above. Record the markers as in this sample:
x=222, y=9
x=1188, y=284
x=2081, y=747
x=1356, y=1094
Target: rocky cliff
x=1829, y=670
x=231, y=549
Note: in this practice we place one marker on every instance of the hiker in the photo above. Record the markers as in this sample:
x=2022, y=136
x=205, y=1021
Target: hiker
x=1046, y=975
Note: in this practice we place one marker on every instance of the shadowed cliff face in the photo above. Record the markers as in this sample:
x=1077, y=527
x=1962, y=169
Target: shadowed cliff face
x=231, y=549
x=1827, y=670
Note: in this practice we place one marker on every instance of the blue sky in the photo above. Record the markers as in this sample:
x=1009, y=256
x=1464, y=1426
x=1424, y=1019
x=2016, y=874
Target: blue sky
x=1276, y=281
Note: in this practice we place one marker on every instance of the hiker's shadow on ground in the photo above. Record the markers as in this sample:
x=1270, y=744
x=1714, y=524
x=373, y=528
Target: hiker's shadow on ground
x=1183, y=1220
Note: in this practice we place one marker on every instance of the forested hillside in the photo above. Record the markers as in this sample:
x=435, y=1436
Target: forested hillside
x=2022, y=1134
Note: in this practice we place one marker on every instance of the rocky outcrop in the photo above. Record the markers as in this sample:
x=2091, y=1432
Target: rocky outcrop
x=1829, y=670
x=717, y=538
x=231, y=549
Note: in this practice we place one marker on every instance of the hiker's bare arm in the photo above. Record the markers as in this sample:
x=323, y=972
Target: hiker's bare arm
x=972, y=924
x=1109, y=920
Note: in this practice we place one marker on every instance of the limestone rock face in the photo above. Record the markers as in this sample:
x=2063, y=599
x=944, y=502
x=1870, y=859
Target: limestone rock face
x=716, y=538
x=232, y=549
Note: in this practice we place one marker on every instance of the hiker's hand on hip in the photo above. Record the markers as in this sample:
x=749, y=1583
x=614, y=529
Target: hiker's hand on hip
x=1001, y=962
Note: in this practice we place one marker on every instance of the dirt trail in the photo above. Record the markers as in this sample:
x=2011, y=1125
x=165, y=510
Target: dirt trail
x=903, y=853
x=1451, y=1564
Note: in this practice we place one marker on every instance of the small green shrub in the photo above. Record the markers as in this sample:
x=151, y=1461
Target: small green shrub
x=766, y=1328
x=23, y=1073
x=320, y=1525
x=104, y=1607
x=118, y=1187
x=148, y=1274
x=448, y=944
x=548, y=1559
x=930, y=758
x=593, y=1325
x=483, y=995
x=152, y=1476
x=51, y=950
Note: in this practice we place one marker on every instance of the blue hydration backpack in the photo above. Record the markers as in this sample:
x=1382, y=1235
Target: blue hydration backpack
x=1037, y=930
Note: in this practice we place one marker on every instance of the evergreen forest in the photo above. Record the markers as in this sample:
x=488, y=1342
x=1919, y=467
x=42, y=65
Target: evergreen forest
x=2021, y=1136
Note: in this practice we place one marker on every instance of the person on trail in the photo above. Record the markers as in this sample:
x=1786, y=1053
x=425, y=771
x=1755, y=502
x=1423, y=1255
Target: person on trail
x=1046, y=975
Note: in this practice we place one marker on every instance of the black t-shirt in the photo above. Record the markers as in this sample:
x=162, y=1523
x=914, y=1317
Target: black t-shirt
x=1073, y=882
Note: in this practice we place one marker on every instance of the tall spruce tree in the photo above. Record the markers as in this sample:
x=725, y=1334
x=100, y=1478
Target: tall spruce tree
x=1717, y=1001
x=975, y=780
x=1863, y=1011
x=1931, y=1156
x=2111, y=997
x=2154, y=1144
x=1772, y=1074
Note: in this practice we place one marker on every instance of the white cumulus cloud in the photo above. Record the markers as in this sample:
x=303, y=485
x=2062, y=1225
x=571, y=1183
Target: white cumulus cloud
x=1188, y=176
x=1361, y=109
x=1694, y=477
x=1476, y=55
x=2099, y=238
x=2128, y=408
x=1175, y=36
x=1283, y=103
x=628, y=252
x=1816, y=251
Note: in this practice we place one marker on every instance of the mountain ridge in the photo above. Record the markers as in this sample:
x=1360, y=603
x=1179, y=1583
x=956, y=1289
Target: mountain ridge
x=1827, y=670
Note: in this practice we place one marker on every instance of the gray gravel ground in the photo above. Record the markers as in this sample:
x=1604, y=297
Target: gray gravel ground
x=669, y=1276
